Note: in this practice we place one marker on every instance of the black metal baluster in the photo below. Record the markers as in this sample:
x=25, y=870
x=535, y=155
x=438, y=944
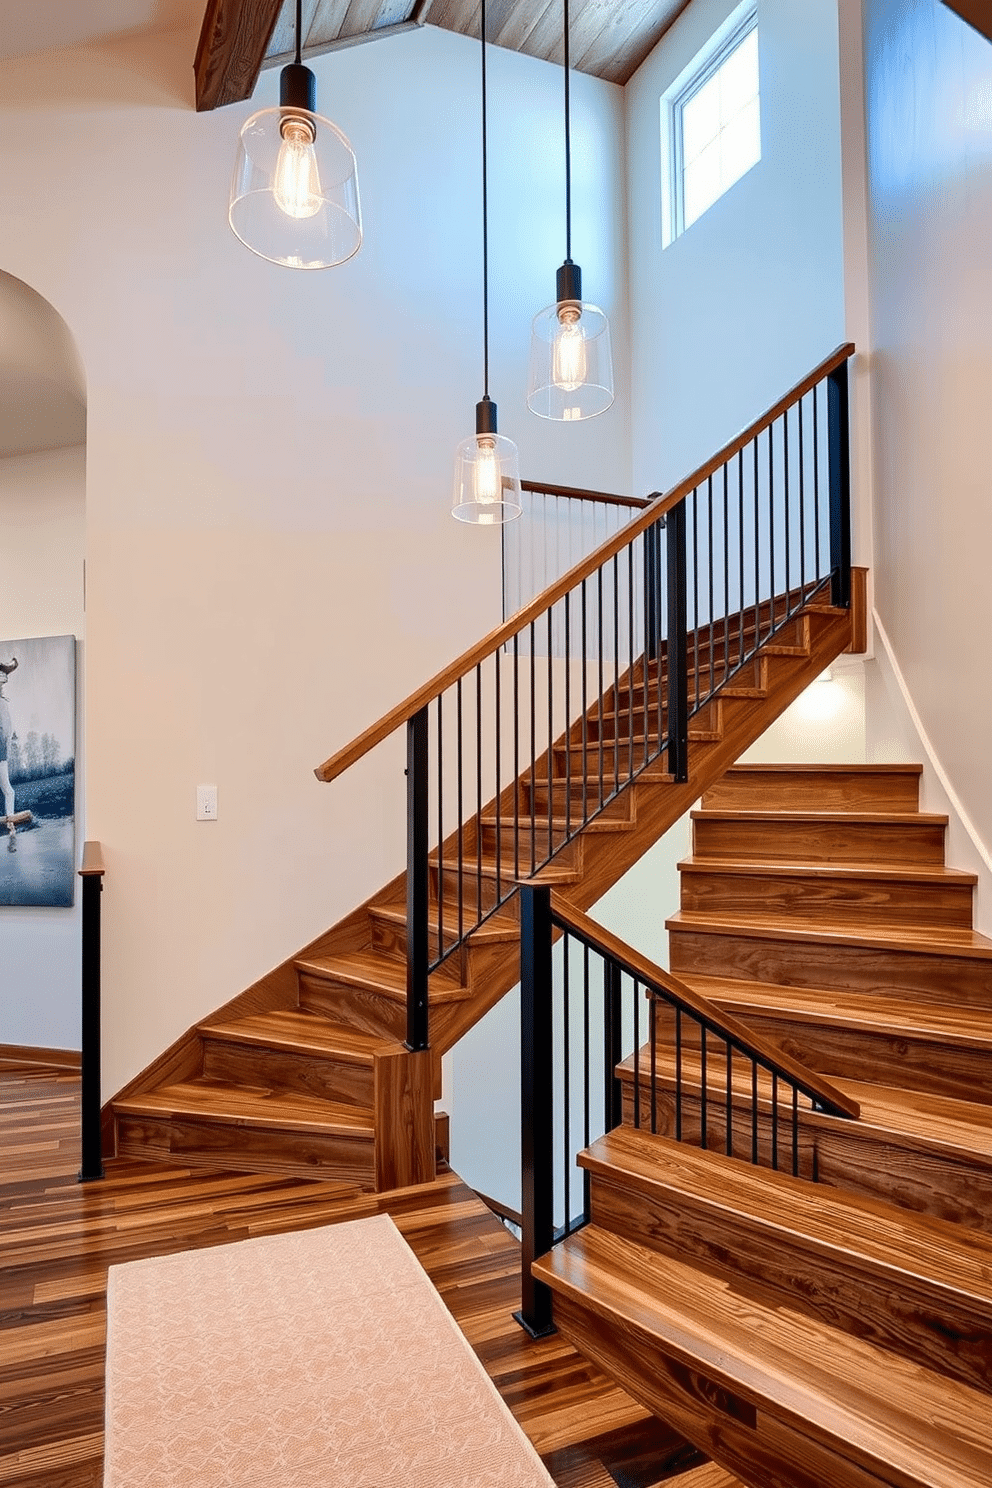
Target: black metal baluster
x=695, y=593
x=816, y=481
x=726, y=571
x=786, y=486
x=440, y=831
x=709, y=580
x=630, y=655
x=651, y=621
x=771, y=529
x=740, y=546
x=795, y=1132
x=678, y=682
x=637, y=1052
x=775, y=1121
x=802, y=508
x=599, y=705
x=537, y=1109
x=612, y=1089
x=585, y=1037
x=754, y=1112
x=566, y=1061
x=840, y=488
x=533, y=742
x=516, y=763
x=585, y=706
x=461, y=817
x=704, y=1093
x=478, y=792
x=730, y=1100
x=551, y=741
x=497, y=708
x=616, y=676
x=417, y=882
x=568, y=726
x=757, y=549
x=678, y=1075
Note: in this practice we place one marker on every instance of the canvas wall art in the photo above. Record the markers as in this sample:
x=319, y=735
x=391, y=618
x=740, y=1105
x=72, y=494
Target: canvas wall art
x=37, y=771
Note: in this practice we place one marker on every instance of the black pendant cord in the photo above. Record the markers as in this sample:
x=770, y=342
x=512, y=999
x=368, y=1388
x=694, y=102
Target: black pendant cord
x=568, y=152
x=299, y=32
x=485, y=222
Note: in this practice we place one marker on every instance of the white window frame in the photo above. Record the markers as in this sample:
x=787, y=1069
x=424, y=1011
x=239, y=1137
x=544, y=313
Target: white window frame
x=735, y=29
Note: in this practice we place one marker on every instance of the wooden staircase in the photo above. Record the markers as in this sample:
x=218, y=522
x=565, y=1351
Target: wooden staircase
x=306, y=1073
x=836, y=1334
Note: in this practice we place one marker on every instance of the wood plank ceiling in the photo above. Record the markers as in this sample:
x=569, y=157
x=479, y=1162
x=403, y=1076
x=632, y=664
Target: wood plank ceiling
x=609, y=38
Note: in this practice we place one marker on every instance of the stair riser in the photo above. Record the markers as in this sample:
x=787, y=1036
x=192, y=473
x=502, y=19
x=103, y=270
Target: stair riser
x=880, y=1057
x=610, y=769
x=949, y=979
x=278, y=1069
x=753, y=1444
x=820, y=901
x=359, y=1007
x=844, y=1290
x=908, y=844
x=515, y=844
x=569, y=795
x=780, y=790
x=296, y=1154
x=849, y=1155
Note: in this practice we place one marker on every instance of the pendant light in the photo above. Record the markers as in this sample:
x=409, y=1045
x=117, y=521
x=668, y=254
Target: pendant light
x=294, y=193
x=571, y=365
x=487, y=466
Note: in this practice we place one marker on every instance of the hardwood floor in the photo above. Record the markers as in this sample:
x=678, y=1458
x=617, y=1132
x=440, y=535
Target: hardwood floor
x=58, y=1237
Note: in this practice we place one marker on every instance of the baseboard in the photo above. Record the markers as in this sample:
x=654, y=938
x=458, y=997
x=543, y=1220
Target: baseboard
x=23, y=1054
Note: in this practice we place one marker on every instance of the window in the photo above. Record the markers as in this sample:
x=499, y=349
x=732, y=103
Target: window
x=714, y=123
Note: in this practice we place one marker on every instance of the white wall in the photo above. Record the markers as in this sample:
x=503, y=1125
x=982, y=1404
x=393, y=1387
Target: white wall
x=42, y=522
x=929, y=117
x=271, y=563
x=751, y=297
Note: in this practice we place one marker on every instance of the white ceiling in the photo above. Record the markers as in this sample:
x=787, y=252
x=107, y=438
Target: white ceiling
x=41, y=25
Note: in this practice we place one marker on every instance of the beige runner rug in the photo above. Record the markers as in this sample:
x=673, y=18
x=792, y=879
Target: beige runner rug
x=323, y=1357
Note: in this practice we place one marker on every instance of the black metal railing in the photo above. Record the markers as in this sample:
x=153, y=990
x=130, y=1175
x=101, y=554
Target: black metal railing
x=557, y=528
x=91, y=873
x=607, y=1037
x=538, y=729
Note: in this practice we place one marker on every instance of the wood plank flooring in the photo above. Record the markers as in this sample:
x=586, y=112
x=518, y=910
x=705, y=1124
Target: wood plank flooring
x=57, y=1238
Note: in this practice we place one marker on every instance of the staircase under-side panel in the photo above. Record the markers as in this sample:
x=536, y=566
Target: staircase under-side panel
x=812, y=1335
x=307, y=1073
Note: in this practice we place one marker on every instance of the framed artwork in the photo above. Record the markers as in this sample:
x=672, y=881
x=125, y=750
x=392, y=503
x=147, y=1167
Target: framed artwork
x=38, y=771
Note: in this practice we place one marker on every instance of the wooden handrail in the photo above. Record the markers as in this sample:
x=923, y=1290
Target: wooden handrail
x=811, y=1083
x=490, y=644
x=597, y=498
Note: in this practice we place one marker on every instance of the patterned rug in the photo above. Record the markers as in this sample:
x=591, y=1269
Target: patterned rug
x=317, y=1358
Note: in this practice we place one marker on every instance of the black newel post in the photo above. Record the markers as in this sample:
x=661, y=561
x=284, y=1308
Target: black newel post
x=612, y=1046
x=838, y=421
x=536, y=1105
x=678, y=645
x=417, y=883
x=92, y=1153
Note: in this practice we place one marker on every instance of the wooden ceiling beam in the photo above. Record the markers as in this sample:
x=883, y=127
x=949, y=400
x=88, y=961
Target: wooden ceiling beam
x=233, y=41
x=977, y=13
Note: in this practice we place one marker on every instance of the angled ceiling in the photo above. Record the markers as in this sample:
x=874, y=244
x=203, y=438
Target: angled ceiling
x=608, y=38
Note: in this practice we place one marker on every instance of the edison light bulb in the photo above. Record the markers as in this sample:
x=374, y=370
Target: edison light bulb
x=487, y=474
x=297, y=184
x=568, y=365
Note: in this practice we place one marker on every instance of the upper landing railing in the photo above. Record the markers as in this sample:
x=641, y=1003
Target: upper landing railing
x=532, y=732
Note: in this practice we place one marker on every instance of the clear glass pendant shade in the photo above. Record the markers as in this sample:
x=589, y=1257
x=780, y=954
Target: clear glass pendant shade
x=294, y=193
x=487, y=475
x=571, y=363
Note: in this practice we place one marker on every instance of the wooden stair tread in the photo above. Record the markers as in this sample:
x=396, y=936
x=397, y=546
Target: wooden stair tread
x=918, y=1427
x=248, y=1106
x=379, y=973
x=885, y=872
x=935, y=940
x=942, y=1255
x=943, y=1124
x=825, y=769
x=497, y=927
x=849, y=1009
x=825, y=814
x=300, y=1032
